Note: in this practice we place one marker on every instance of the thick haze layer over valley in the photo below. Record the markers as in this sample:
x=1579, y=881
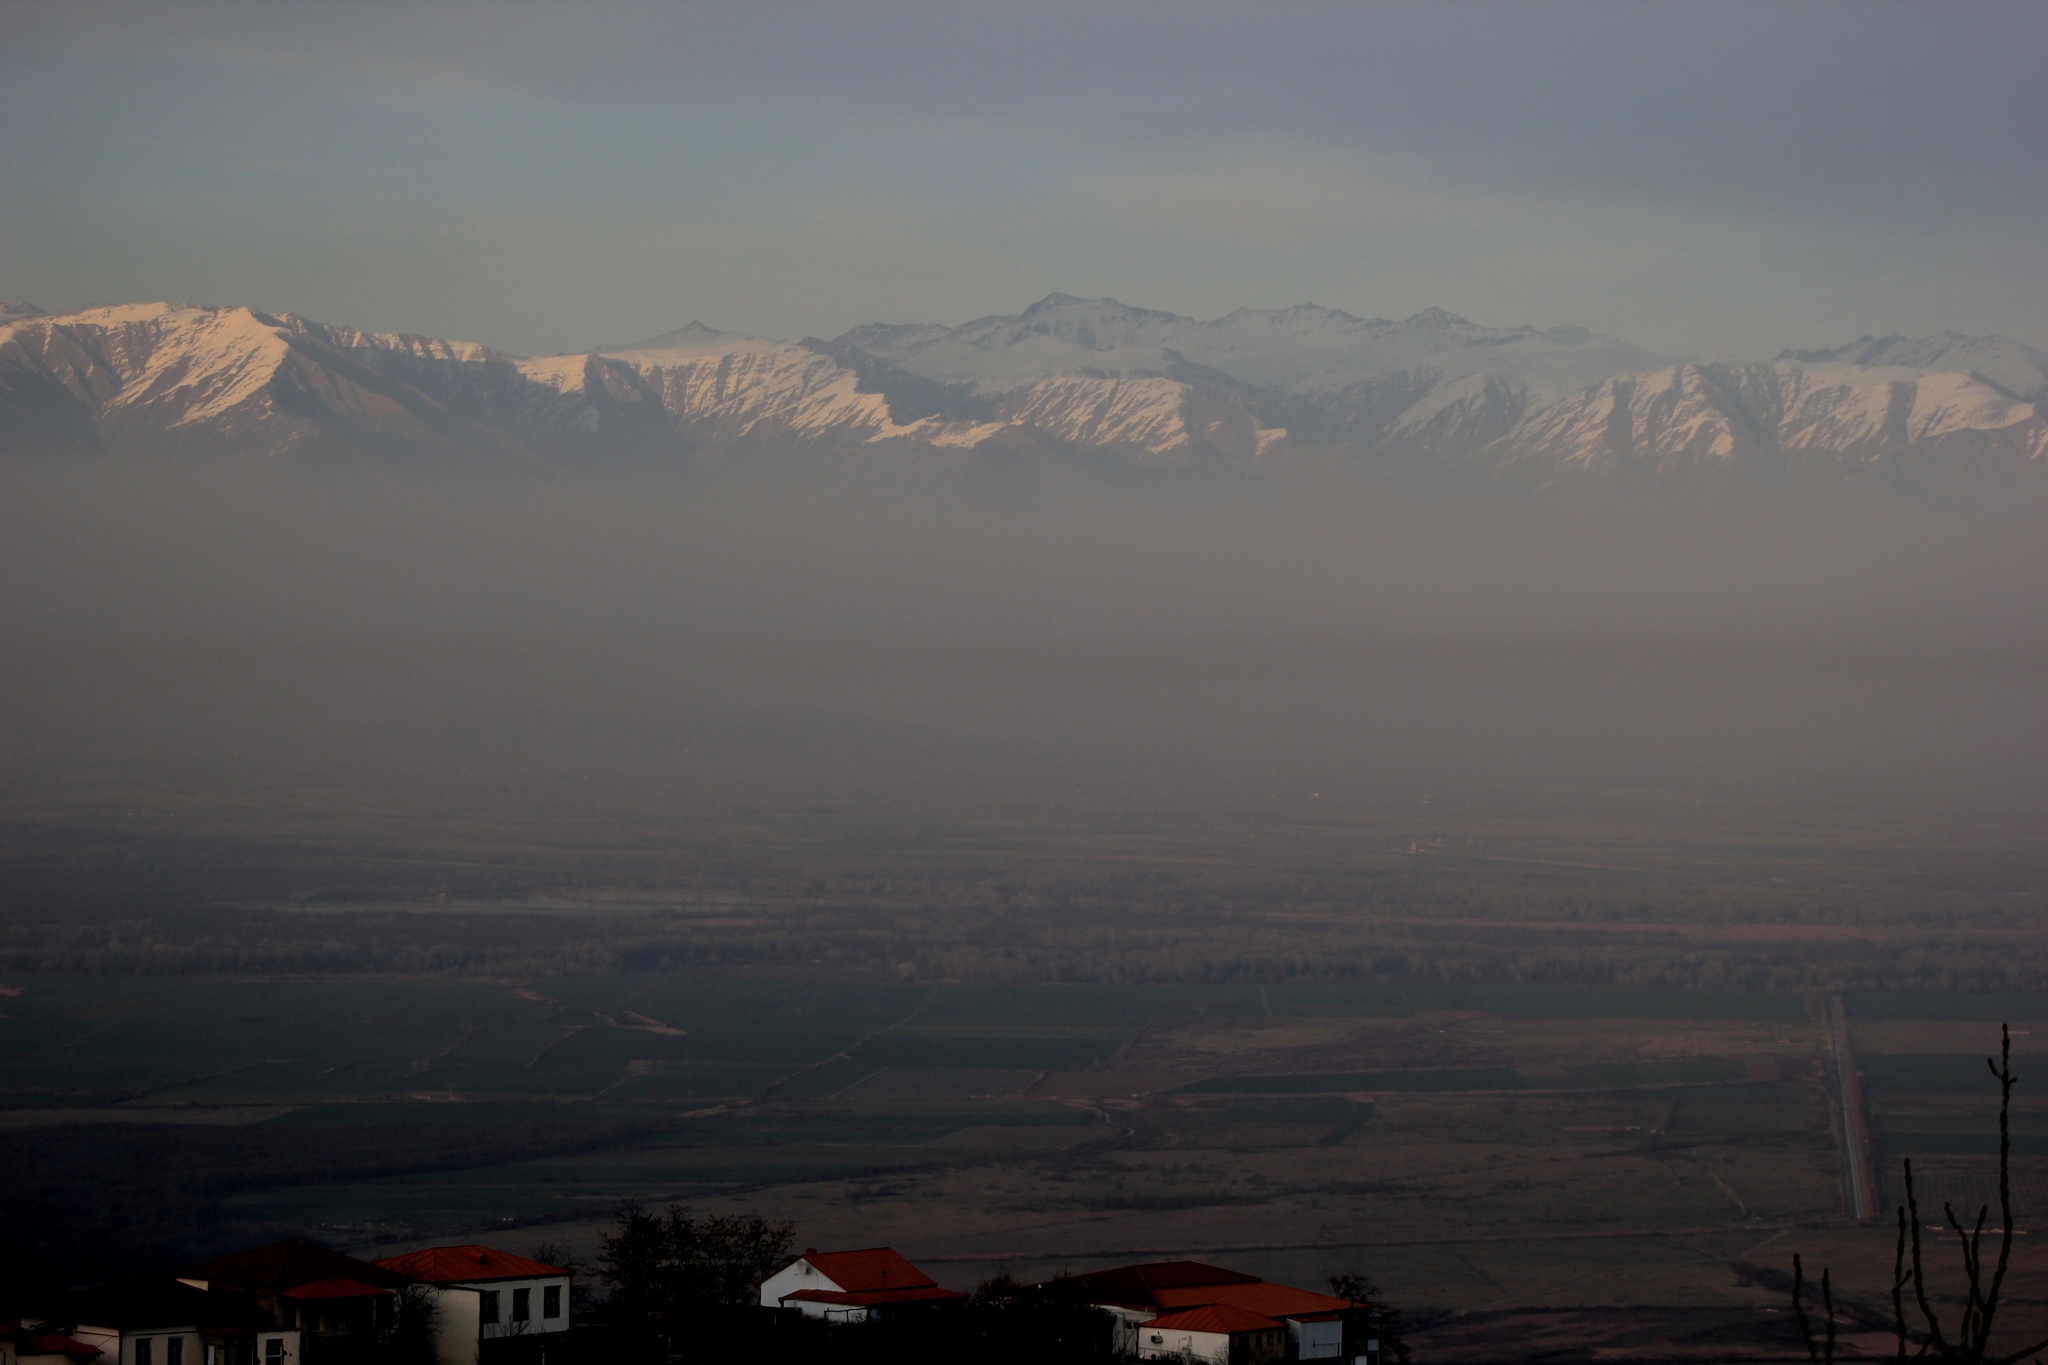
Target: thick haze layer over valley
x=1402, y=553
x=1432, y=400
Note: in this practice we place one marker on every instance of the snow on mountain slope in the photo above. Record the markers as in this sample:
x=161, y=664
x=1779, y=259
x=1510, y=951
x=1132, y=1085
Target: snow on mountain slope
x=1268, y=391
x=1303, y=350
x=723, y=391
x=172, y=375
x=165, y=375
x=1779, y=422
x=1463, y=414
x=718, y=387
x=1172, y=419
x=2014, y=366
x=1331, y=380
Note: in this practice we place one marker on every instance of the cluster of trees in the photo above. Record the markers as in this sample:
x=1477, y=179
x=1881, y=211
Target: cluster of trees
x=1292, y=910
x=671, y=1274
x=1257, y=940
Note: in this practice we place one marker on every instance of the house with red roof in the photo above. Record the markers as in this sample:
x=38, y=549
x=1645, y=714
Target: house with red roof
x=487, y=1297
x=1214, y=1331
x=1176, y=1308
x=338, y=1306
x=852, y=1286
x=156, y=1320
x=305, y=1286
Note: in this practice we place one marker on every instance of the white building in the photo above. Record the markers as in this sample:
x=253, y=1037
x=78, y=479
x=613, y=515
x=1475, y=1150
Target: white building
x=161, y=1321
x=487, y=1295
x=851, y=1286
x=1167, y=1308
x=1215, y=1332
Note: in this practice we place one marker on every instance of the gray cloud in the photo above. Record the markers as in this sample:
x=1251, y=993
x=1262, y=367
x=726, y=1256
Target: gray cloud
x=1722, y=177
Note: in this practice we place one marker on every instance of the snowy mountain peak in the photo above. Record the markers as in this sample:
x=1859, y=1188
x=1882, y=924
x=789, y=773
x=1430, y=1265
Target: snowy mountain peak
x=1105, y=307
x=689, y=334
x=1057, y=299
x=1298, y=317
x=1433, y=396
x=2013, y=366
x=1303, y=349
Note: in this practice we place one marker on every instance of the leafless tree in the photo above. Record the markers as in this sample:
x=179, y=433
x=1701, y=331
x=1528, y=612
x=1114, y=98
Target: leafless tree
x=1970, y=1343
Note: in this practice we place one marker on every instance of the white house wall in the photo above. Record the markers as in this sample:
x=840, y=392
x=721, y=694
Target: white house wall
x=1201, y=1345
x=1316, y=1340
x=118, y=1348
x=537, y=1324
x=460, y=1328
x=798, y=1274
x=1128, y=1322
x=160, y=1347
x=288, y=1335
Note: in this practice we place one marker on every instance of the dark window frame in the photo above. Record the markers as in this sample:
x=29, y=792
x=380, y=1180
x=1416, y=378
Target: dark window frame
x=522, y=1304
x=489, y=1308
x=551, y=1301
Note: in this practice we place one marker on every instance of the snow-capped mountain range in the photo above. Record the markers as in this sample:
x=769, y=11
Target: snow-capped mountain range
x=1431, y=397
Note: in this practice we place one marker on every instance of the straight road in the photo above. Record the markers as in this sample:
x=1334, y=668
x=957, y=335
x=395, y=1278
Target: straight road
x=1857, y=1175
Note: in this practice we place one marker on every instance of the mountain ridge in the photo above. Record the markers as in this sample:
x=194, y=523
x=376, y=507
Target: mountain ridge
x=1433, y=397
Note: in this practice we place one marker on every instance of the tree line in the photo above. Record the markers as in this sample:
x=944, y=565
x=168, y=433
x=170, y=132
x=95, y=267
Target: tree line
x=1257, y=940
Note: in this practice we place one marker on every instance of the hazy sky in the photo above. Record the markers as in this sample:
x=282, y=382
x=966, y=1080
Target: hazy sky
x=1721, y=177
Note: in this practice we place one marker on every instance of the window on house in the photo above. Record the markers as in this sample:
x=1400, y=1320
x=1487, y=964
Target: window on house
x=145, y=1351
x=551, y=1301
x=174, y=1351
x=273, y=1350
x=490, y=1306
x=522, y=1305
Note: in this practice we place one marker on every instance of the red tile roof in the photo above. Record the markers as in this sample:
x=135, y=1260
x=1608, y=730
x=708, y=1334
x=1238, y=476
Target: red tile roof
x=334, y=1289
x=468, y=1265
x=55, y=1344
x=871, y=1268
x=284, y=1264
x=146, y=1302
x=1211, y=1317
x=1141, y=1286
x=868, y=1298
x=1260, y=1296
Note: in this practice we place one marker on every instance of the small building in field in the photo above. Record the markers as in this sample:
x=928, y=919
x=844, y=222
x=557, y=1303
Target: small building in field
x=852, y=1286
x=488, y=1297
x=1223, y=1315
